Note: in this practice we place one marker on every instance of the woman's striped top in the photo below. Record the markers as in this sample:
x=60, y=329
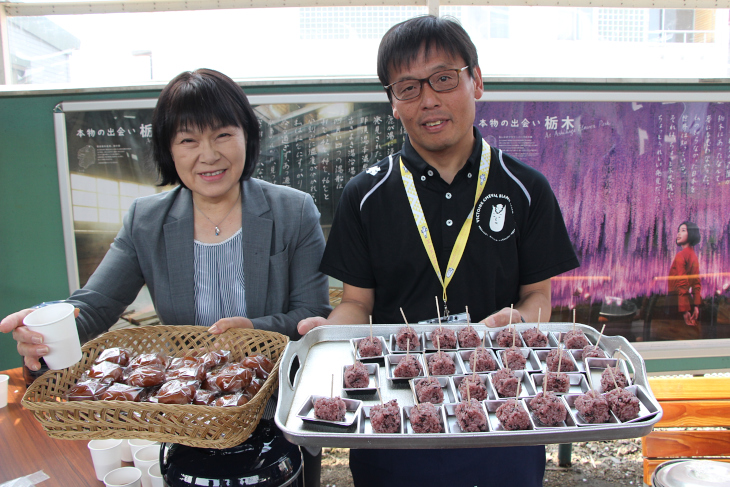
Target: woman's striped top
x=219, y=285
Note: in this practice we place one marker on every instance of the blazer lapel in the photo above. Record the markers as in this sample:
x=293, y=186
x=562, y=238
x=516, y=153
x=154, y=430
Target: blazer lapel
x=180, y=259
x=257, y=230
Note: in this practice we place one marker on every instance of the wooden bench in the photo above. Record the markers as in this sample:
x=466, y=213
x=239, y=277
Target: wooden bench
x=689, y=402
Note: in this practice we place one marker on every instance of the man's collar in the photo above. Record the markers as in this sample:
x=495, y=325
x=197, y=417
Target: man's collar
x=415, y=163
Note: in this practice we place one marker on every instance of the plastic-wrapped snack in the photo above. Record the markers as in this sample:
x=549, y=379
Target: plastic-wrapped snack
x=123, y=392
x=505, y=382
x=230, y=400
x=548, y=408
x=512, y=358
x=624, y=404
x=187, y=361
x=115, y=355
x=254, y=386
x=482, y=360
x=593, y=407
x=146, y=376
x=553, y=359
x=429, y=390
x=441, y=364
x=468, y=337
x=575, y=339
x=504, y=337
x=203, y=397
x=385, y=418
x=513, y=416
x=477, y=390
x=146, y=359
x=470, y=416
x=357, y=376
x=370, y=347
x=192, y=372
x=556, y=382
x=409, y=366
x=232, y=377
x=424, y=418
x=608, y=376
x=443, y=337
x=330, y=408
x=534, y=338
x=87, y=390
x=215, y=358
x=106, y=372
x=176, y=392
x=260, y=364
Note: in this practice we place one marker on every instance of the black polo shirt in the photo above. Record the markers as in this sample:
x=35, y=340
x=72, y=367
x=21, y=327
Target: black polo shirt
x=518, y=236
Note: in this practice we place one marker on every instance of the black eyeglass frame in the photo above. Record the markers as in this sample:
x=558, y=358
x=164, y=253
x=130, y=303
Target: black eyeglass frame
x=423, y=80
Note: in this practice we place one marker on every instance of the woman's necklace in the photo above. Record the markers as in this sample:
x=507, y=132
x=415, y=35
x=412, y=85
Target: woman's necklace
x=217, y=229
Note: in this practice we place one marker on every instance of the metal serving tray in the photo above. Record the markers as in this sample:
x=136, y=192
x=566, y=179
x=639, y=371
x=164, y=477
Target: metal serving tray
x=307, y=367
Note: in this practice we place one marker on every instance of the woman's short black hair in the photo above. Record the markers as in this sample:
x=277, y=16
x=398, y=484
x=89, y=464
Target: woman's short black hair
x=403, y=42
x=201, y=99
x=693, y=233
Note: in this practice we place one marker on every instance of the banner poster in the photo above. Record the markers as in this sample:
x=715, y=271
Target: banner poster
x=644, y=189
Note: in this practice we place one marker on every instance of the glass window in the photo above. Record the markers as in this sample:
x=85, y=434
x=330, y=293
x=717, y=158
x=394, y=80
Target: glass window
x=545, y=42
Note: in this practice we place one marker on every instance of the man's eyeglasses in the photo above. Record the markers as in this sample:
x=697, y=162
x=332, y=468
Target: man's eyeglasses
x=409, y=89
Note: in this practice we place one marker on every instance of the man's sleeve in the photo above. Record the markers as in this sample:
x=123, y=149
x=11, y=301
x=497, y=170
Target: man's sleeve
x=545, y=248
x=347, y=254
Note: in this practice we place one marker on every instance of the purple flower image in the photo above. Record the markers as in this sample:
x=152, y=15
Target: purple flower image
x=626, y=174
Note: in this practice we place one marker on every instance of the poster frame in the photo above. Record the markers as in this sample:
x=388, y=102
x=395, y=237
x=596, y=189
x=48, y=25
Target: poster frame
x=677, y=349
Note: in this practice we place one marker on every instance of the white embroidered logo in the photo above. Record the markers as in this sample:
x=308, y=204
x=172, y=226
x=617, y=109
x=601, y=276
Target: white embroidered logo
x=496, y=220
x=373, y=170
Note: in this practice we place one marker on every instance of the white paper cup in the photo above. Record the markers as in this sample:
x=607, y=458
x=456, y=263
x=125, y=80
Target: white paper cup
x=57, y=324
x=106, y=455
x=144, y=459
x=136, y=445
x=123, y=477
x=126, y=452
x=4, y=379
x=155, y=475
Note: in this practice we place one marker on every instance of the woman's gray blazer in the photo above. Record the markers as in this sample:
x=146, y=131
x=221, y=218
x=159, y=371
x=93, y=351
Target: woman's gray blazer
x=282, y=248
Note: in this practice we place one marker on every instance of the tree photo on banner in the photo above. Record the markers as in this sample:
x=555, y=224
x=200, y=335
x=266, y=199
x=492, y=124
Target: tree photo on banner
x=627, y=175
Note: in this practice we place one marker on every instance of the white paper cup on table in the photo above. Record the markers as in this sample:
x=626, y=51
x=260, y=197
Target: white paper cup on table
x=124, y=477
x=136, y=445
x=144, y=459
x=57, y=324
x=126, y=452
x=106, y=455
x=156, y=475
x=4, y=381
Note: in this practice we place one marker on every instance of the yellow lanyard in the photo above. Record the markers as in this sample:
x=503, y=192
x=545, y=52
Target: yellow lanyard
x=458, y=251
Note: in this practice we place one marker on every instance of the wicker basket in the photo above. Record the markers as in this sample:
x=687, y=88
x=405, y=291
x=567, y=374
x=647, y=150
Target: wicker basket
x=192, y=425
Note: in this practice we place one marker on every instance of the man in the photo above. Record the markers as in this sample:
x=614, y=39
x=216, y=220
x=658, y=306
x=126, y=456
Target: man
x=447, y=216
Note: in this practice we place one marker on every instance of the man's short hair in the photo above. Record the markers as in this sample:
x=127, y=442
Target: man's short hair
x=201, y=99
x=693, y=233
x=403, y=42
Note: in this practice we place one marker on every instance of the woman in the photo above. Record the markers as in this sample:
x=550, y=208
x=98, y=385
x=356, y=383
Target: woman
x=220, y=250
x=684, y=282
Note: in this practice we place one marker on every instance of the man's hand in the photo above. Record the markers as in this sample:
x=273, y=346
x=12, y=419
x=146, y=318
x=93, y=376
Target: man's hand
x=226, y=323
x=30, y=343
x=309, y=323
x=502, y=318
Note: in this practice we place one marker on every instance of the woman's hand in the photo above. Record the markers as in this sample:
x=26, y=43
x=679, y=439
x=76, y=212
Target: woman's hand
x=30, y=343
x=235, y=322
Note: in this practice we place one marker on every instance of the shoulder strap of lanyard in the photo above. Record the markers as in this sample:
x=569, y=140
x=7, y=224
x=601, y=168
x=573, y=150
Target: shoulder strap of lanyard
x=458, y=251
